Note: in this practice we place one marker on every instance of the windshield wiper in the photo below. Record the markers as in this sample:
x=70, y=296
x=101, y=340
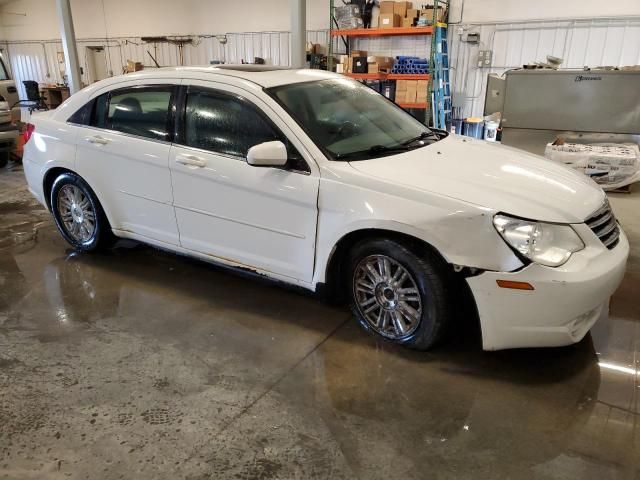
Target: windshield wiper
x=422, y=136
x=372, y=151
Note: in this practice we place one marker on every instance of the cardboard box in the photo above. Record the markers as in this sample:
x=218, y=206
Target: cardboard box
x=358, y=53
x=134, y=66
x=343, y=59
x=400, y=8
x=412, y=91
x=407, y=91
x=413, y=13
x=377, y=68
x=421, y=93
x=384, y=62
x=428, y=13
x=389, y=20
x=408, y=22
x=360, y=65
x=401, y=91
x=386, y=7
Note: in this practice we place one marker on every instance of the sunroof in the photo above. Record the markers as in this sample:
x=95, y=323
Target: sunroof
x=252, y=68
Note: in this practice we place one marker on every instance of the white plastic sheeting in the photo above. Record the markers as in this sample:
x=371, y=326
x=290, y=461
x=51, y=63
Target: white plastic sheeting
x=610, y=165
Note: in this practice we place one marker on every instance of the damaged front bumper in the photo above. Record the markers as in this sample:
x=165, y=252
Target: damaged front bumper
x=564, y=304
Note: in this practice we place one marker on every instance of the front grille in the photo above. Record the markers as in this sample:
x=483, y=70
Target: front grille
x=603, y=223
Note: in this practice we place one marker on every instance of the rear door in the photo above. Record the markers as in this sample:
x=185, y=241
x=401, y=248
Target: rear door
x=263, y=218
x=123, y=153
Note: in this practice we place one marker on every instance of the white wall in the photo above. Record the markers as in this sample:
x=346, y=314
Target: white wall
x=496, y=11
x=126, y=18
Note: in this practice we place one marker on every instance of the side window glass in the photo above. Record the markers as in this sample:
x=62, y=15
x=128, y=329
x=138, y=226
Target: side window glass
x=224, y=124
x=99, y=115
x=143, y=112
x=82, y=115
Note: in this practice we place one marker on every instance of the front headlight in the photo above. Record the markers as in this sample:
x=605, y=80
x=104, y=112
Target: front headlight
x=544, y=243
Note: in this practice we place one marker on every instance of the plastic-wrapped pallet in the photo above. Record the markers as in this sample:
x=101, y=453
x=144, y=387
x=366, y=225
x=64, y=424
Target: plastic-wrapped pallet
x=610, y=165
x=348, y=17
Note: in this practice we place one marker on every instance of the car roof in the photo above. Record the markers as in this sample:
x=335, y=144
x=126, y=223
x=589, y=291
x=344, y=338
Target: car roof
x=258, y=76
x=264, y=75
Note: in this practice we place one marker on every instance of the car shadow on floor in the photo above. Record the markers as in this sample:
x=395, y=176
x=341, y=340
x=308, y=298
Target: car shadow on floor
x=134, y=279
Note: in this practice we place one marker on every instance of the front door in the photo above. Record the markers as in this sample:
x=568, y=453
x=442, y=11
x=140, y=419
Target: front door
x=124, y=155
x=262, y=218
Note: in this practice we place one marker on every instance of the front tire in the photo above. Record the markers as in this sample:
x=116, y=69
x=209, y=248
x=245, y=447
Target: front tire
x=399, y=295
x=78, y=214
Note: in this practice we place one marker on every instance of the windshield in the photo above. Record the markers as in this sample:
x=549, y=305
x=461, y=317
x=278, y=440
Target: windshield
x=350, y=121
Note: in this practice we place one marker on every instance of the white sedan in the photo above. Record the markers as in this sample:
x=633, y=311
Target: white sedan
x=312, y=179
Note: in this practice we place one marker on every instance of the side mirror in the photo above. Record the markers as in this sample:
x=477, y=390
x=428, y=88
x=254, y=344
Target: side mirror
x=268, y=154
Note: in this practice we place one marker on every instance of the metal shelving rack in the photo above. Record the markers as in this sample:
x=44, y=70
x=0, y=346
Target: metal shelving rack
x=435, y=110
x=439, y=83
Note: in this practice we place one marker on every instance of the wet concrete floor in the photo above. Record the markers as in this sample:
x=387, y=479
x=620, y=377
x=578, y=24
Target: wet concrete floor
x=141, y=364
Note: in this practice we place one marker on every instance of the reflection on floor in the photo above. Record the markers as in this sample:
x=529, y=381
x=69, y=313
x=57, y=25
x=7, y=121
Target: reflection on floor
x=140, y=364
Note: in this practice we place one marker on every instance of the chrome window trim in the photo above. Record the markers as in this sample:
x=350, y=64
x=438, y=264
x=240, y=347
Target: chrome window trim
x=116, y=132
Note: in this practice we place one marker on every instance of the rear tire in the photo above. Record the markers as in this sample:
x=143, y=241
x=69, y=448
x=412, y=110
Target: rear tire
x=79, y=215
x=399, y=295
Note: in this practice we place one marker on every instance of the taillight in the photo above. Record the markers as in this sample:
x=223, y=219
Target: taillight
x=28, y=131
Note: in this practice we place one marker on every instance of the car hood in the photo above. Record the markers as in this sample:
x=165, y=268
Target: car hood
x=494, y=176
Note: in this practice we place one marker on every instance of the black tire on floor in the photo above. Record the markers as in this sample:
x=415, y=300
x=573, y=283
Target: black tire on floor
x=4, y=159
x=429, y=275
x=101, y=237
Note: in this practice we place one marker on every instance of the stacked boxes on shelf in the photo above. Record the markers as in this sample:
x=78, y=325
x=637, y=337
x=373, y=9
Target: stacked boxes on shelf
x=425, y=16
x=353, y=63
x=402, y=14
x=379, y=64
x=393, y=14
x=411, y=18
x=359, y=62
x=388, y=17
x=404, y=79
x=411, y=91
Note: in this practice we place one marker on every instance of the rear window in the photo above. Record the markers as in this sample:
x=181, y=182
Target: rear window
x=83, y=115
x=142, y=112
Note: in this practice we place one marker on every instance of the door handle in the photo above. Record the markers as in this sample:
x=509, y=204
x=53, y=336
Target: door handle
x=97, y=140
x=191, y=160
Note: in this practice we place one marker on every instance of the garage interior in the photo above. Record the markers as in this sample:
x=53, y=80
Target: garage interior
x=138, y=363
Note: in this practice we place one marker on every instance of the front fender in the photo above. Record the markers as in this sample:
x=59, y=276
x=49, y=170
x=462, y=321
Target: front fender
x=462, y=233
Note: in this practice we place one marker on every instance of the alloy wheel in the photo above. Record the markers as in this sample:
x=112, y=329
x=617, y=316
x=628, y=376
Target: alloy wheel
x=77, y=213
x=387, y=296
